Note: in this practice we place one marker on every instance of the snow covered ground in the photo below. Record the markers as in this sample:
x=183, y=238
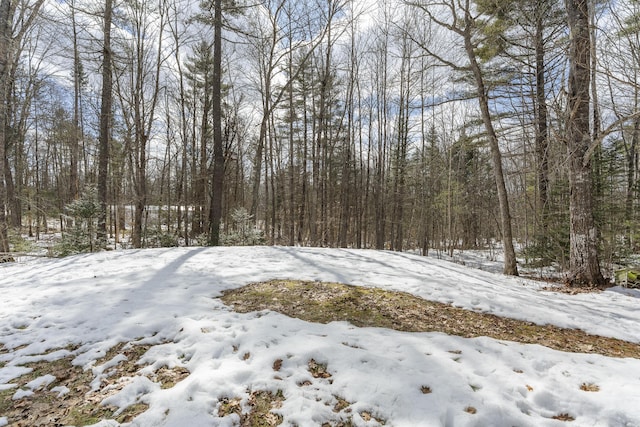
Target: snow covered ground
x=167, y=298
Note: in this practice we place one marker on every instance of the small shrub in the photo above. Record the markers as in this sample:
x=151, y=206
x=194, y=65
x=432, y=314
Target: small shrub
x=243, y=232
x=80, y=237
x=158, y=238
x=74, y=241
x=19, y=244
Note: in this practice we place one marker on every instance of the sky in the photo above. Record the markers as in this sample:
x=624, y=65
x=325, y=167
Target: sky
x=83, y=306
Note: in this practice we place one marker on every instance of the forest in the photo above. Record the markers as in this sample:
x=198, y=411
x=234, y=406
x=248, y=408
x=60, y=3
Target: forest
x=405, y=125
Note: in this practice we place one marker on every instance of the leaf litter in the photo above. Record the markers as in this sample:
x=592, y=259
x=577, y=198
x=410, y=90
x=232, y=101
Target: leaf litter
x=372, y=307
x=71, y=397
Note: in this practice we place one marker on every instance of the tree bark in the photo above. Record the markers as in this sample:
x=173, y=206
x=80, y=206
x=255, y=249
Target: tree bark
x=104, y=138
x=218, y=152
x=6, y=16
x=584, y=262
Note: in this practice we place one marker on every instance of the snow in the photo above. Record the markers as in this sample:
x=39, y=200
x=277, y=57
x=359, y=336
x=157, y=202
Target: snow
x=60, y=390
x=40, y=382
x=167, y=298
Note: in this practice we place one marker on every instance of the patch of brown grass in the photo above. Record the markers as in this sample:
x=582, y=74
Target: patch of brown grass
x=361, y=306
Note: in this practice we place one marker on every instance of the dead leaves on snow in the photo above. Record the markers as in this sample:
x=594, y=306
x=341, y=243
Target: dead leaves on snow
x=563, y=417
x=318, y=370
x=260, y=408
x=261, y=404
x=589, y=387
x=69, y=399
x=326, y=302
x=277, y=364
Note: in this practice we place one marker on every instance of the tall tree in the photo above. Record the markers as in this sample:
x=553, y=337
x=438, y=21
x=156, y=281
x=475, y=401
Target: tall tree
x=625, y=61
x=217, y=181
x=584, y=261
x=467, y=26
x=266, y=47
x=139, y=93
x=105, y=122
x=6, y=20
x=10, y=38
x=78, y=76
x=199, y=69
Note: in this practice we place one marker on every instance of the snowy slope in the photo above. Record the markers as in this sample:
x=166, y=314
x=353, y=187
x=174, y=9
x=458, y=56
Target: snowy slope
x=167, y=298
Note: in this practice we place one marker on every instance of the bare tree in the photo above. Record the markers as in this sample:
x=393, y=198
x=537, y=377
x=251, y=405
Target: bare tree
x=10, y=37
x=464, y=23
x=272, y=59
x=138, y=91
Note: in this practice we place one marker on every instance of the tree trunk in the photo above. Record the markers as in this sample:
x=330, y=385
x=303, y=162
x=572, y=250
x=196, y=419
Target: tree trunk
x=218, y=152
x=583, y=256
x=105, y=125
x=75, y=139
x=631, y=171
x=542, y=132
x=510, y=265
x=6, y=18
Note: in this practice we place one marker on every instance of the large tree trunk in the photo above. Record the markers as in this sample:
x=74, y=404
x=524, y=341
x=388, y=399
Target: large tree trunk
x=6, y=16
x=584, y=262
x=218, y=152
x=105, y=124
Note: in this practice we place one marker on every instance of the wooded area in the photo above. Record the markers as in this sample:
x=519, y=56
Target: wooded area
x=403, y=125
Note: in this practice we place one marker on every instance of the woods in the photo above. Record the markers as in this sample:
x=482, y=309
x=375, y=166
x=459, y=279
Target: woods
x=403, y=125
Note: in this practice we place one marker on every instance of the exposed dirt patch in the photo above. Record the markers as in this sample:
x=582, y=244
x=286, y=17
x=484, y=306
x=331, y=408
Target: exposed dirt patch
x=66, y=398
x=327, y=302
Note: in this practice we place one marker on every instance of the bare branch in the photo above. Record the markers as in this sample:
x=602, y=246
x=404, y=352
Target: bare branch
x=604, y=133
